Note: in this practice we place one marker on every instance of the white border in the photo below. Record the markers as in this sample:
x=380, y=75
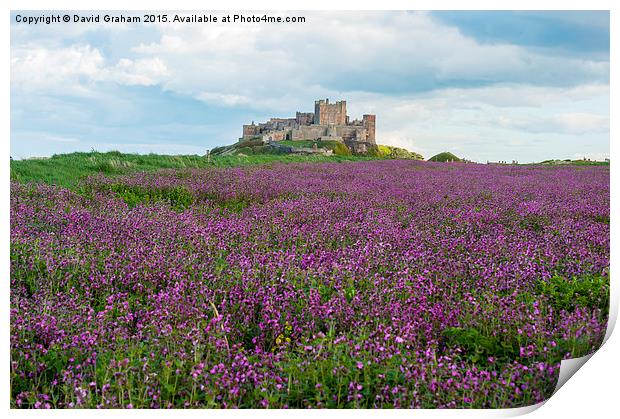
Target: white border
x=592, y=393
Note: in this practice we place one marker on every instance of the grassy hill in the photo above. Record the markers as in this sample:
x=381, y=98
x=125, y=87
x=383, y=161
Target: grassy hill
x=574, y=162
x=256, y=146
x=68, y=169
x=446, y=156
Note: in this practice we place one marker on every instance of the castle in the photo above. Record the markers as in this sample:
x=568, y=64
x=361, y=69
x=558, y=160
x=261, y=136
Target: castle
x=328, y=122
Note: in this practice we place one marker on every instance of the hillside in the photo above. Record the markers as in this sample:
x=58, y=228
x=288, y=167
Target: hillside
x=574, y=162
x=256, y=146
x=446, y=156
x=68, y=169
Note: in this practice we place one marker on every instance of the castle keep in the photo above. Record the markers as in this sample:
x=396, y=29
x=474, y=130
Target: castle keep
x=328, y=122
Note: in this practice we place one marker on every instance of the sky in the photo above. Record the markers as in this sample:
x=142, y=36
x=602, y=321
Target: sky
x=487, y=86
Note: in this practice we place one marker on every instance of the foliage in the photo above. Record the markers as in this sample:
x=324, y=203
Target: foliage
x=445, y=157
x=178, y=197
x=479, y=347
x=591, y=291
x=398, y=153
x=341, y=149
x=249, y=143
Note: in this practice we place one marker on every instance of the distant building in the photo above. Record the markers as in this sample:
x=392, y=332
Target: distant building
x=329, y=121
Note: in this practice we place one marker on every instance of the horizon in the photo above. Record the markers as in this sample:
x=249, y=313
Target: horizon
x=486, y=86
x=426, y=159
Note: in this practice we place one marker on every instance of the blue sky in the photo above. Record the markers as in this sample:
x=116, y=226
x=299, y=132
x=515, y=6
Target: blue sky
x=485, y=85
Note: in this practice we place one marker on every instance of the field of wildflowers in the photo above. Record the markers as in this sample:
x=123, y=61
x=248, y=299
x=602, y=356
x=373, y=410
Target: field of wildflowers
x=370, y=284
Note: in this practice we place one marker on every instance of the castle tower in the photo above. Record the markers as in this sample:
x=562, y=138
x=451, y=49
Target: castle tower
x=342, y=115
x=369, y=122
x=326, y=113
x=317, y=111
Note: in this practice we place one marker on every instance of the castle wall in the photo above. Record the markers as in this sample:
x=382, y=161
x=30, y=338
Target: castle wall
x=304, y=118
x=275, y=135
x=348, y=132
x=250, y=131
x=309, y=132
x=281, y=123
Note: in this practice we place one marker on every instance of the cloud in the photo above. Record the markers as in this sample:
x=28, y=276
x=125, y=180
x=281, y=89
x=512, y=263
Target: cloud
x=223, y=99
x=392, y=53
x=389, y=53
x=63, y=70
x=566, y=123
x=523, y=95
x=576, y=33
x=142, y=72
x=481, y=123
x=76, y=69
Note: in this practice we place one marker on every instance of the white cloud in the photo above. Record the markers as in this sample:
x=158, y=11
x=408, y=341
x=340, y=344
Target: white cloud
x=575, y=123
x=75, y=70
x=524, y=95
x=61, y=70
x=254, y=63
x=143, y=72
x=375, y=51
x=581, y=123
x=223, y=99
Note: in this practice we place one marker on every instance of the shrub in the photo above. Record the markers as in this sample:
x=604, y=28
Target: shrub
x=590, y=291
x=178, y=197
x=397, y=153
x=373, y=151
x=249, y=143
x=444, y=157
x=341, y=149
x=245, y=150
x=534, y=222
x=479, y=346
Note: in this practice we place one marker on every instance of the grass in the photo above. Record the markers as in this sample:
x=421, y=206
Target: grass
x=575, y=162
x=67, y=170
